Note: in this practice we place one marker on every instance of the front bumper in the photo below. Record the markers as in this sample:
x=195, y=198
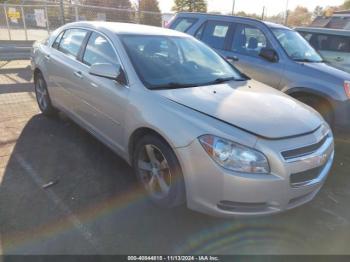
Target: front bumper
x=216, y=191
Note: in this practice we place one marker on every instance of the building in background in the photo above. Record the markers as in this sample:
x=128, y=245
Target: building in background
x=339, y=20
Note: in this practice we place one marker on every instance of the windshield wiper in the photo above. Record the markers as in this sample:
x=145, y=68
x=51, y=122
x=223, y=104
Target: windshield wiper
x=177, y=85
x=221, y=80
x=173, y=85
x=307, y=60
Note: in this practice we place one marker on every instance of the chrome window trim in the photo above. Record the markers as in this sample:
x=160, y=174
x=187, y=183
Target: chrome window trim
x=98, y=32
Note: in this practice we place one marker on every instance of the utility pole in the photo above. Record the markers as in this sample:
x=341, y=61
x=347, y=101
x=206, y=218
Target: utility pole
x=192, y=6
x=263, y=13
x=233, y=6
x=62, y=11
x=139, y=11
x=287, y=13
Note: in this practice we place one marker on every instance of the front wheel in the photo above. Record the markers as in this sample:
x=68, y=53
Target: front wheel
x=159, y=172
x=42, y=96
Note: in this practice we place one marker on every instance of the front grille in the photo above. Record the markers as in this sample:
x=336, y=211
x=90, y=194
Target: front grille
x=299, y=179
x=303, y=151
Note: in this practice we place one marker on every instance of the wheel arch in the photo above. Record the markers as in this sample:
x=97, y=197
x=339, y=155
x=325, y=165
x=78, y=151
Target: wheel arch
x=36, y=72
x=138, y=134
x=301, y=91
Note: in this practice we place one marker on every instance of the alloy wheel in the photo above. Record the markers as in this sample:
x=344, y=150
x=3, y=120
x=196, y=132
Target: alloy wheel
x=41, y=94
x=154, y=172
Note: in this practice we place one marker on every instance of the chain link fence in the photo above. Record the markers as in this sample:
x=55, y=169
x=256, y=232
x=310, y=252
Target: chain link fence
x=35, y=22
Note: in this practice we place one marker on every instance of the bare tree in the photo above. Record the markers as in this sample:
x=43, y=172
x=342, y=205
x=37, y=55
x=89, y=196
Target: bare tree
x=299, y=17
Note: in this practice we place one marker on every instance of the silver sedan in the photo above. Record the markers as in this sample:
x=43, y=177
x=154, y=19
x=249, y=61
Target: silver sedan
x=193, y=127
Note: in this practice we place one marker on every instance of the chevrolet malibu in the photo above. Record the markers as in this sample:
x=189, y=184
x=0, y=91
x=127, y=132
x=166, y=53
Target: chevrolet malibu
x=194, y=129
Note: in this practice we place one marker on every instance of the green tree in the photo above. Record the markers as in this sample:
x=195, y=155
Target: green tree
x=346, y=5
x=190, y=6
x=329, y=10
x=154, y=18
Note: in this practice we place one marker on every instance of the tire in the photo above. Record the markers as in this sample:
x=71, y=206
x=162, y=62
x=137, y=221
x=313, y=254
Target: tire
x=320, y=105
x=42, y=96
x=153, y=169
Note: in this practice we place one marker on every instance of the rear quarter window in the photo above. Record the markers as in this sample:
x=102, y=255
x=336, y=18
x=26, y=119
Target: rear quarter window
x=183, y=24
x=57, y=40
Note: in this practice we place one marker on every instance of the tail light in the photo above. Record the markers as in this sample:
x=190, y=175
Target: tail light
x=347, y=88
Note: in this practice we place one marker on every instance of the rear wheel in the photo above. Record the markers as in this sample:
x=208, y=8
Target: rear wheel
x=320, y=105
x=42, y=96
x=159, y=172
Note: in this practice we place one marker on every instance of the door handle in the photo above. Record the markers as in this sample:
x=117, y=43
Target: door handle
x=93, y=85
x=233, y=58
x=78, y=74
x=48, y=57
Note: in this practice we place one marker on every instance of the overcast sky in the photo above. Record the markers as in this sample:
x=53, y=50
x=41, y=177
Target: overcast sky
x=255, y=6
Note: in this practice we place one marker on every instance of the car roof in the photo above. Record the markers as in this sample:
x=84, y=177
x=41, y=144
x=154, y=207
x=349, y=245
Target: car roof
x=329, y=31
x=269, y=24
x=126, y=28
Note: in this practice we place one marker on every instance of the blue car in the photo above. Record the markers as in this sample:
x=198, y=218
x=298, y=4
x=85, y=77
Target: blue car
x=277, y=56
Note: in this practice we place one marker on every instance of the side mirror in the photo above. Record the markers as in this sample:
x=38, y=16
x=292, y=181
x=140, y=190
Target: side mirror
x=269, y=54
x=113, y=72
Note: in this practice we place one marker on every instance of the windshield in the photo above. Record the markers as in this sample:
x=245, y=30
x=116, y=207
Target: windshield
x=176, y=62
x=296, y=46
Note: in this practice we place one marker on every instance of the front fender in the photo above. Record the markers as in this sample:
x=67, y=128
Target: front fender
x=319, y=79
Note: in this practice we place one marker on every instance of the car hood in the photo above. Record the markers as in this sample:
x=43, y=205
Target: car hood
x=251, y=106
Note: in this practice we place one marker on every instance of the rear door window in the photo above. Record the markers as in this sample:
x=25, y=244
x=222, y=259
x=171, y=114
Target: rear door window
x=71, y=41
x=331, y=43
x=183, y=24
x=215, y=34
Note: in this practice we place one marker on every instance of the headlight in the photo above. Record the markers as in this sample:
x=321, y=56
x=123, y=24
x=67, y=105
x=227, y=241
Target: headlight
x=233, y=156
